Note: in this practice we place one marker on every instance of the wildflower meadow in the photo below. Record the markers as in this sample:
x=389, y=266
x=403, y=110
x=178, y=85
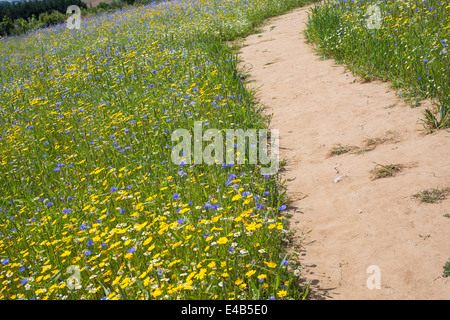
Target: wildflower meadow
x=91, y=205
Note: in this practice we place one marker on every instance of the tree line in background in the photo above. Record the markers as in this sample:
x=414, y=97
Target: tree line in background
x=21, y=16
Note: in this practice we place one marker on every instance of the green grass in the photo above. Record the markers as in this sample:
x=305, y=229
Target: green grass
x=86, y=175
x=384, y=171
x=338, y=150
x=446, y=269
x=369, y=145
x=410, y=49
x=433, y=195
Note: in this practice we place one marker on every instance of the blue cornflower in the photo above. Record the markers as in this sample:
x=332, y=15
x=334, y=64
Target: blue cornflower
x=281, y=208
x=133, y=249
x=180, y=221
x=90, y=243
x=114, y=189
x=176, y=196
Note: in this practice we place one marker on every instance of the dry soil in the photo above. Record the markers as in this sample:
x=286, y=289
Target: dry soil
x=346, y=221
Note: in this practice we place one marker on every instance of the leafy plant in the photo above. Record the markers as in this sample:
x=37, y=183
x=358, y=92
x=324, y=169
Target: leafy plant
x=383, y=171
x=446, y=269
x=6, y=26
x=433, y=195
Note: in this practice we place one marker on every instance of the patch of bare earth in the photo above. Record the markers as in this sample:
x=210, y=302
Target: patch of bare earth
x=355, y=221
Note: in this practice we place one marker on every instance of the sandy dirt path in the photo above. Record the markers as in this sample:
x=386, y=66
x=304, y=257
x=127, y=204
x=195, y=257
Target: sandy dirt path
x=355, y=222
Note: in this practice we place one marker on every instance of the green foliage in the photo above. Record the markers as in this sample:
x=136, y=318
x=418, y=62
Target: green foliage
x=49, y=12
x=21, y=26
x=26, y=9
x=117, y=4
x=447, y=269
x=51, y=19
x=433, y=195
x=103, y=5
x=6, y=26
x=20, y=17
